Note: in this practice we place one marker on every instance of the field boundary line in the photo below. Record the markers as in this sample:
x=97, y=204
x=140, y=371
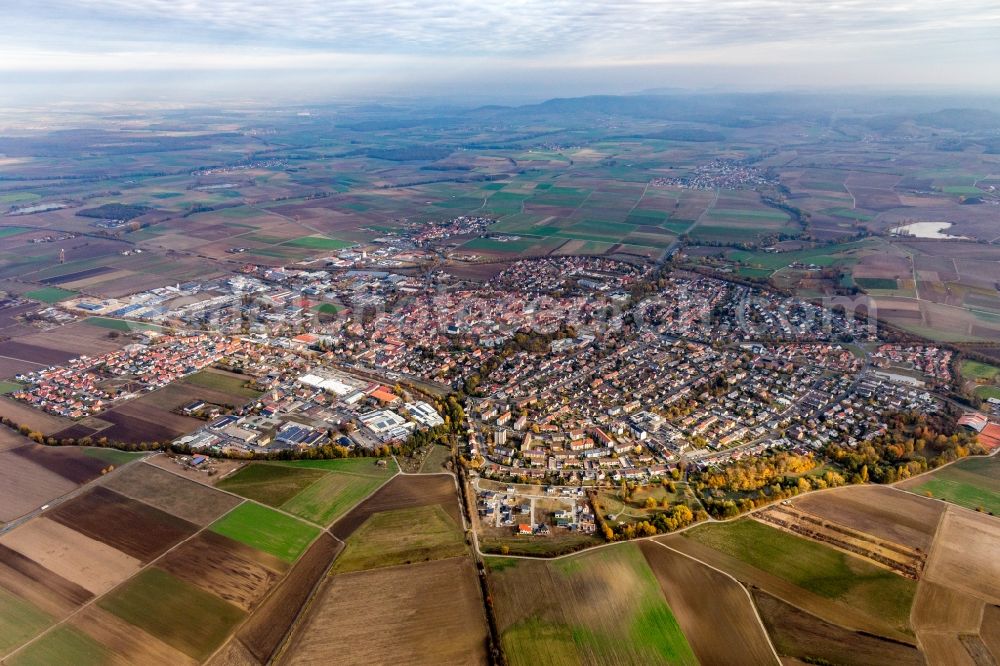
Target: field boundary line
x=247, y=499
x=756, y=613
x=98, y=597
x=79, y=490
x=233, y=635
x=931, y=553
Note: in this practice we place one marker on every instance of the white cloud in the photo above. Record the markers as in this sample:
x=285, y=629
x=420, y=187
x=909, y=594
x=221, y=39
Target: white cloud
x=513, y=28
x=414, y=40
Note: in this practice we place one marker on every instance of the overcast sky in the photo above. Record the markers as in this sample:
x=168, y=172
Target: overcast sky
x=311, y=49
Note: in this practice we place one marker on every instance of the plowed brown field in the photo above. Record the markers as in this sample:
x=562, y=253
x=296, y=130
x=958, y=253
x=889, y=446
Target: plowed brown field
x=237, y=573
x=703, y=599
x=420, y=614
x=132, y=527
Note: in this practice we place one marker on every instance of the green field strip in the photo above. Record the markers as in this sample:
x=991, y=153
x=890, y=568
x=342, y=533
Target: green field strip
x=267, y=530
x=20, y=621
x=63, y=645
x=50, y=294
x=179, y=613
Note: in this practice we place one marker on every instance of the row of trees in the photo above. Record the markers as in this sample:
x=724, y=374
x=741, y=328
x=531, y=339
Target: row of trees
x=914, y=442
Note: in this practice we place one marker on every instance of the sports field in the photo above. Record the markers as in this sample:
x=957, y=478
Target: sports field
x=49, y=294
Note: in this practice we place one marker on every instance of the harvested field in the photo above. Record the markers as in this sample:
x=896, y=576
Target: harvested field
x=76, y=338
x=33, y=353
x=270, y=484
x=814, y=567
x=228, y=569
x=602, y=606
x=937, y=608
x=10, y=439
x=990, y=630
x=402, y=536
x=171, y=493
x=685, y=584
x=946, y=649
x=964, y=556
x=49, y=592
x=11, y=367
x=22, y=414
x=266, y=530
x=153, y=596
x=81, y=560
x=144, y=420
x=400, y=493
x=234, y=653
x=801, y=635
x=78, y=431
x=78, y=275
x=443, y=623
x=25, y=485
x=132, y=527
x=882, y=512
x=128, y=641
x=976, y=648
x=77, y=465
x=265, y=630
x=174, y=395
x=905, y=561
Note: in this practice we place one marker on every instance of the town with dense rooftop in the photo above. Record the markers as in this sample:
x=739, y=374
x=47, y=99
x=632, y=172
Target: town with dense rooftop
x=370, y=385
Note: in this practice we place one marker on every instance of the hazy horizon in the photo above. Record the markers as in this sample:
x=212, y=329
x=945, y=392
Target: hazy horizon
x=286, y=52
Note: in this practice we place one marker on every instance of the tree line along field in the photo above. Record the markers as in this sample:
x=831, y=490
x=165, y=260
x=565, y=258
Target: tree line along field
x=973, y=483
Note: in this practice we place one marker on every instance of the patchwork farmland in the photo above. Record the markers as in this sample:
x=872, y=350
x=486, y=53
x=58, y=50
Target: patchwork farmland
x=404, y=545
x=318, y=490
x=93, y=575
